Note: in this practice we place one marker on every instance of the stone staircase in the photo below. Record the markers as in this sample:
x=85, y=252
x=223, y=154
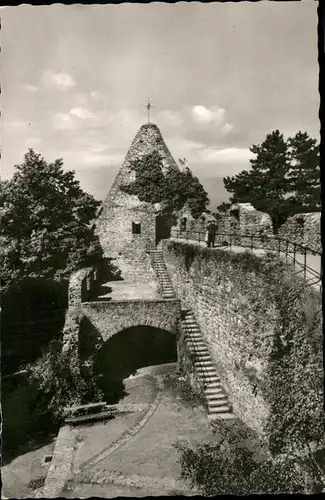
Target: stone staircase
x=159, y=266
x=218, y=405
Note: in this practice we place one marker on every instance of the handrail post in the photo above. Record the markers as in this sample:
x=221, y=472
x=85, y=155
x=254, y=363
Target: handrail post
x=199, y=237
x=251, y=237
x=279, y=246
x=287, y=244
x=294, y=254
x=305, y=263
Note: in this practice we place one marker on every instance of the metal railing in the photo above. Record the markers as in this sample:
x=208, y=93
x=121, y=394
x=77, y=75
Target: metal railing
x=291, y=250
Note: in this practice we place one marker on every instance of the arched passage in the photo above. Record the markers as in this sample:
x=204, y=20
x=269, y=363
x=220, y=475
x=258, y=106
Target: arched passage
x=127, y=351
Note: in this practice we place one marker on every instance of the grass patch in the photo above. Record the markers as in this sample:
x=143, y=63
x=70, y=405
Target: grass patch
x=181, y=388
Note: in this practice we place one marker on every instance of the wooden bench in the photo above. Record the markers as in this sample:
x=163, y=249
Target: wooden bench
x=83, y=419
x=81, y=410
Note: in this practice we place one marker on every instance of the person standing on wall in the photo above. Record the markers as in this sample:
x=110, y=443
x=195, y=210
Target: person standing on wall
x=212, y=230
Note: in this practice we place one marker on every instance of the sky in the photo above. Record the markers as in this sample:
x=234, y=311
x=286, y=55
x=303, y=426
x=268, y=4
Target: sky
x=75, y=81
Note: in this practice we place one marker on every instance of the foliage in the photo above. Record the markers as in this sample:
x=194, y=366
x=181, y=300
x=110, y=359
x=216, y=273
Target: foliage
x=62, y=381
x=171, y=188
x=32, y=314
x=284, y=178
x=295, y=372
x=290, y=349
x=180, y=384
x=45, y=225
x=218, y=468
x=229, y=466
x=223, y=207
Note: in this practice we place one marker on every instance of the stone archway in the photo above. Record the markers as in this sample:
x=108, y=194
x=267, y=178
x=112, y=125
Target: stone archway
x=129, y=350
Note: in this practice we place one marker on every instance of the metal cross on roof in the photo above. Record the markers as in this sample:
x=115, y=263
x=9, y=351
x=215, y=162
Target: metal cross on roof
x=149, y=106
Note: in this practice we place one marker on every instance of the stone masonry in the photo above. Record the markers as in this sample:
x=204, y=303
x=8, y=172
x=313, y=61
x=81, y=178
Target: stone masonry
x=126, y=226
x=110, y=318
x=304, y=229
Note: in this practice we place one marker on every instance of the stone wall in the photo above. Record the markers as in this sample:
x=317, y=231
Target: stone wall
x=81, y=285
x=110, y=318
x=119, y=210
x=233, y=300
x=60, y=470
x=304, y=229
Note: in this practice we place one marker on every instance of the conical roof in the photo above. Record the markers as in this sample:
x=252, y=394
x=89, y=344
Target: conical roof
x=147, y=140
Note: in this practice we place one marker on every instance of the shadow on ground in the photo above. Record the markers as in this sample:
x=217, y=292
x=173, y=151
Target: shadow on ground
x=24, y=429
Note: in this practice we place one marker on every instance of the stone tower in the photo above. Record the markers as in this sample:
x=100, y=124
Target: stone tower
x=127, y=227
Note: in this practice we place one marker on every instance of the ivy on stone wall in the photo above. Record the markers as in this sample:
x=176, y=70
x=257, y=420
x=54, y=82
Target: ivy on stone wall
x=172, y=189
x=64, y=380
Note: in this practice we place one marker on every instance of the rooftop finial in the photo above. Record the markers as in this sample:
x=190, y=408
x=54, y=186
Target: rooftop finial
x=149, y=106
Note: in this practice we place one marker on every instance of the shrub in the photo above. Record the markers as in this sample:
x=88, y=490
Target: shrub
x=62, y=382
x=230, y=467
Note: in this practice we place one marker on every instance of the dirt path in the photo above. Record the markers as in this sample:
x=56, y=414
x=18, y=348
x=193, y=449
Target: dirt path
x=146, y=463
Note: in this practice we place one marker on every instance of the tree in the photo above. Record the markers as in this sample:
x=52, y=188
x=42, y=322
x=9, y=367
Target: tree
x=304, y=175
x=283, y=180
x=62, y=381
x=171, y=188
x=223, y=207
x=45, y=225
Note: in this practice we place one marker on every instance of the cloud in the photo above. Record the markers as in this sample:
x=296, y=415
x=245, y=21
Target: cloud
x=30, y=88
x=92, y=159
x=71, y=119
x=81, y=112
x=63, y=121
x=30, y=142
x=16, y=125
x=202, y=114
x=170, y=118
x=225, y=155
x=227, y=127
x=62, y=81
x=96, y=94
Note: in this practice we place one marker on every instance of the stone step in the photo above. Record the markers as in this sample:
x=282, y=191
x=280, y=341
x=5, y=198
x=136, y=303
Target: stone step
x=206, y=368
x=216, y=403
x=214, y=379
x=221, y=416
x=216, y=396
x=205, y=362
x=212, y=385
x=213, y=391
x=196, y=342
x=220, y=409
x=199, y=347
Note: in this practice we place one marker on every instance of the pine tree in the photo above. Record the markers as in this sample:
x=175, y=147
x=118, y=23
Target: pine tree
x=283, y=180
x=304, y=175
